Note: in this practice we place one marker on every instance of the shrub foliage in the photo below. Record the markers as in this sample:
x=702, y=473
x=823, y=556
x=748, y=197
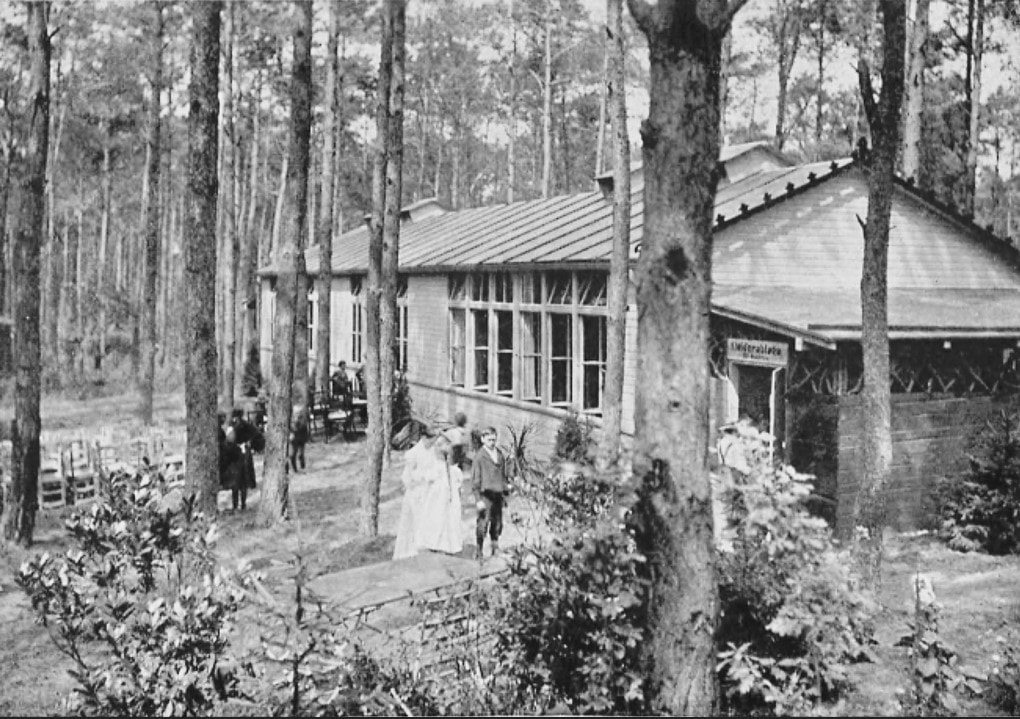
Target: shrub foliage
x=980, y=511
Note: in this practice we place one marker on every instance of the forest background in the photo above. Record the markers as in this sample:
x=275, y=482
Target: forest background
x=504, y=102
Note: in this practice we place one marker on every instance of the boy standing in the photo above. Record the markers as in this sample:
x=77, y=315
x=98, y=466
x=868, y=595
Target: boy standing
x=488, y=480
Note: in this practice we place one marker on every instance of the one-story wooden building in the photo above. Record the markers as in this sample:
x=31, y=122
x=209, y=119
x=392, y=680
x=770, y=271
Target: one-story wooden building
x=503, y=316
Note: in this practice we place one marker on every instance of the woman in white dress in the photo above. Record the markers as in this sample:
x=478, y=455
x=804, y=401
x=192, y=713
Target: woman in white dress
x=419, y=472
x=443, y=516
x=430, y=514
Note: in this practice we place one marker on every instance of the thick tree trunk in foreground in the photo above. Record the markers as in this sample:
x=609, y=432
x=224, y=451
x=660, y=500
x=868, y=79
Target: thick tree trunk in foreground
x=291, y=263
x=151, y=228
x=880, y=164
x=672, y=517
x=373, y=296
x=619, y=261
x=19, y=510
x=200, y=359
x=391, y=228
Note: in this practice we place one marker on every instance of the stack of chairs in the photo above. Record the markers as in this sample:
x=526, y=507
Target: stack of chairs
x=52, y=487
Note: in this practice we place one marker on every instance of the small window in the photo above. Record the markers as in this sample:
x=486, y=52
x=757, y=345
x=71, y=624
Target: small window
x=561, y=359
x=504, y=352
x=480, y=287
x=592, y=288
x=458, y=346
x=355, y=286
x=480, y=327
x=402, y=287
x=504, y=289
x=558, y=288
x=531, y=288
x=457, y=287
x=593, y=339
x=531, y=356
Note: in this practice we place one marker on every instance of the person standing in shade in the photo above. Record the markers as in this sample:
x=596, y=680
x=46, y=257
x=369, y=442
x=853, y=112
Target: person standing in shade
x=298, y=436
x=459, y=437
x=489, y=482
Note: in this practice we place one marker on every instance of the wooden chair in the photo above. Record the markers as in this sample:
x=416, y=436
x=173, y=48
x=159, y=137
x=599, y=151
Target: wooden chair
x=341, y=417
x=79, y=472
x=52, y=487
x=318, y=414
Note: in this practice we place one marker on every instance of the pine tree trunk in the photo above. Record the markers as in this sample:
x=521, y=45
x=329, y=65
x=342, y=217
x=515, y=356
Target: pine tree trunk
x=915, y=90
x=547, y=132
x=612, y=415
x=511, y=147
x=247, y=284
x=672, y=517
x=975, y=57
x=201, y=362
x=102, y=268
x=325, y=228
x=291, y=263
x=18, y=519
x=229, y=212
x=391, y=227
x=884, y=120
x=373, y=299
x=147, y=375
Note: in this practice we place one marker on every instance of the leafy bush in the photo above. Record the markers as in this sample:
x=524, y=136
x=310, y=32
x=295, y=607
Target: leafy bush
x=136, y=604
x=980, y=511
x=792, y=616
x=574, y=440
x=1002, y=686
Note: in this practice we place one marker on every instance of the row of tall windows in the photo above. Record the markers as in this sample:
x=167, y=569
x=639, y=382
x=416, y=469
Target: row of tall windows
x=538, y=337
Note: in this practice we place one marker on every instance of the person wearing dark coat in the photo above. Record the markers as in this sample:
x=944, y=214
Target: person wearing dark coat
x=237, y=468
x=298, y=437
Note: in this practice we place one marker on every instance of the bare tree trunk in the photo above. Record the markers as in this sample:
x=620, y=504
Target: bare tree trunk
x=612, y=415
x=604, y=98
x=291, y=263
x=880, y=165
x=915, y=90
x=18, y=518
x=5, y=265
x=147, y=375
x=65, y=331
x=975, y=54
x=391, y=227
x=201, y=362
x=672, y=517
x=373, y=299
x=102, y=271
x=547, y=131
x=325, y=230
x=230, y=242
x=511, y=148
x=248, y=286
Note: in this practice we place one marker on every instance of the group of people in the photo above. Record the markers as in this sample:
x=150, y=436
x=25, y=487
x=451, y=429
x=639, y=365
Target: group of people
x=434, y=471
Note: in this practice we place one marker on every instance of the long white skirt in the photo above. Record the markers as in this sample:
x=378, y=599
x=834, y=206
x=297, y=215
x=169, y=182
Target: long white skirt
x=411, y=524
x=441, y=514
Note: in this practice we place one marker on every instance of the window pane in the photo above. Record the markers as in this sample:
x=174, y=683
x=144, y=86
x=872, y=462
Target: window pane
x=402, y=286
x=504, y=287
x=355, y=285
x=531, y=356
x=505, y=352
x=480, y=287
x=457, y=347
x=558, y=286
x=480, y=325
x=456, y=286
x=592, y=288
x=531, y=288
x=561, y=361
x=593, y=339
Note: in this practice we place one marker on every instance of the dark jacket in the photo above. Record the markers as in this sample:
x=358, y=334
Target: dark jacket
x=487, y=475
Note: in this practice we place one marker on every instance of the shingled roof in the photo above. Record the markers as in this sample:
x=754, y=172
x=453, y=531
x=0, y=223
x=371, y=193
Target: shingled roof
x=796, y=265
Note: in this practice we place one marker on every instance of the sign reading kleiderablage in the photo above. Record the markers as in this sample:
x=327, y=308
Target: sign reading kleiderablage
x=761, y=353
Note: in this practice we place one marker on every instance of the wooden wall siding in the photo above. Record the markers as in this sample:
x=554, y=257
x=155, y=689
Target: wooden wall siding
x=427, y=332
x=814, y=240
x=930, y=438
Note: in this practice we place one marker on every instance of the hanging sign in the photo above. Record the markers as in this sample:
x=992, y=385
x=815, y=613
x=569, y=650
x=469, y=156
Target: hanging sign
x=756, y=352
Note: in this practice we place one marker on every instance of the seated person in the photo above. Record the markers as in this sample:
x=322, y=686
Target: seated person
x=340, y=382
